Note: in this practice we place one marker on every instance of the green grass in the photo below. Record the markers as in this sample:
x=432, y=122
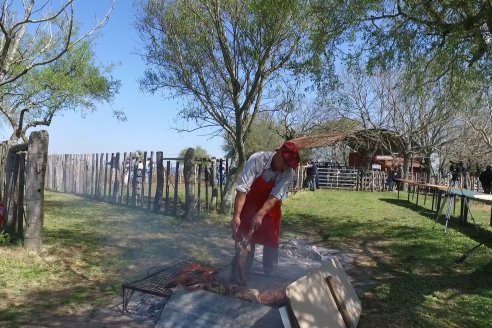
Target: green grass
x=90, y=248
x=420, y=283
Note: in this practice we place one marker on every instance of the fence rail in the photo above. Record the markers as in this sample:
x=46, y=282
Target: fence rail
x=347, y=178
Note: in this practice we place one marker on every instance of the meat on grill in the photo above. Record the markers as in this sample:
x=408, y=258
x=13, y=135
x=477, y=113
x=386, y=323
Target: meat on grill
x=273, y=297
x=240, y=263
x=195, y=273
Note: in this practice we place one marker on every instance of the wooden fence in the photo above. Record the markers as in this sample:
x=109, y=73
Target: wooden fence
x=22, y=174
x=147, y=180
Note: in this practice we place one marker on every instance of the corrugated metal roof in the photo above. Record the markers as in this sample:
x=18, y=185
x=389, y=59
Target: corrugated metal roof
x=319, y=140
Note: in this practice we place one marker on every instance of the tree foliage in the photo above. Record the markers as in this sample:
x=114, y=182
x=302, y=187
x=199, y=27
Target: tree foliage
x=199, y=152
x=443, y=36
x=226, y=57
x=46, y=64
x=400, y=112
x=71, y=82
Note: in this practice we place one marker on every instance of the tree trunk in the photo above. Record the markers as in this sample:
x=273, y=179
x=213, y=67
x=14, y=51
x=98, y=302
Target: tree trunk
x=406, y=169
x=428, y=167
x=230, y=188
x=35, y=174
x=159, y=190
x=233, y=178
x=213, y=184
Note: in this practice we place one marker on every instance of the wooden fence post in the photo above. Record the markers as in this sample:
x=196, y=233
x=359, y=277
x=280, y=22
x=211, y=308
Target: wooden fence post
x=111, y=177
x=98, y=175
x=93, y=175
x=35, y=174
x=105, y=175
x=21, y=180
x=130, y=174
x=221, y=180
x=11, y=196
x=207, y=177
x=176, y=186
x=160, y=181
x=189, y=180
x=115, y=166
x=8, y=198
x=134, y=183
x=150, y=175
x=168, y=177
x=213, y=179
x=65, y=173
x=124, y=172
x=199, y=184
x=3, y=153
x=142, y=179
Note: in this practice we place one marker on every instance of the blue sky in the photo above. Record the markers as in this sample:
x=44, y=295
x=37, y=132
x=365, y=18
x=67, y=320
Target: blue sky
x=150, y=118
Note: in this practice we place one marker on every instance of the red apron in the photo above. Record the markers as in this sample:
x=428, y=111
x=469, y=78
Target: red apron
x=268, y=233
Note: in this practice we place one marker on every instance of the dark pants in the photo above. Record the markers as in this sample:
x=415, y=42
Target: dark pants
x=270, y=259
x=312, y=182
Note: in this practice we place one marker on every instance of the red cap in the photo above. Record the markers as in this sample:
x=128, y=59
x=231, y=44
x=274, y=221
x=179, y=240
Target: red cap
x=290, y=153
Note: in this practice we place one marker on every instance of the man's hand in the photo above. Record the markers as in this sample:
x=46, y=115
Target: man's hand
x=235, y=222
x=256, y=221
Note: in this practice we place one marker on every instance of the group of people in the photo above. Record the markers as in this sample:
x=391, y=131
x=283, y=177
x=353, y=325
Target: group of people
x=460, y=177
x=459, y=174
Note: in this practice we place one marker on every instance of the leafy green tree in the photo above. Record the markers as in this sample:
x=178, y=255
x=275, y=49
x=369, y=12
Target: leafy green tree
x=46, y=64
x=199, y=152
x=228, y=57
x=72, y=82
x=442, y=36
x=225, y=56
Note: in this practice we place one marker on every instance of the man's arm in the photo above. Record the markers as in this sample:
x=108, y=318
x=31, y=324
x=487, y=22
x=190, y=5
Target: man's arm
x=238, y=207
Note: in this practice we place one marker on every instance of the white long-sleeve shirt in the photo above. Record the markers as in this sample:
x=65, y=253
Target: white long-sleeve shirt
x=259, y=164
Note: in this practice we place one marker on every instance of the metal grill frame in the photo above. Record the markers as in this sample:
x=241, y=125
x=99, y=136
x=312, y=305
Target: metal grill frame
x=156, y=282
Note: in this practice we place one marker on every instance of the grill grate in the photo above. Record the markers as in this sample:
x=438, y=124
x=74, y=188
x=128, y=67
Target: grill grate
x=156, y=282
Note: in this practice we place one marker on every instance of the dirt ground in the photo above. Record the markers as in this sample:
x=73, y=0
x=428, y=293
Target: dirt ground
x=158, y=245
x=146, y=249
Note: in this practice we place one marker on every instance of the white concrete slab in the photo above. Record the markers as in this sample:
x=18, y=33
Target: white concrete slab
x=203, y=309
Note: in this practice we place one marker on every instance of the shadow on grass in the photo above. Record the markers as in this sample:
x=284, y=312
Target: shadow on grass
x=477, y=233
